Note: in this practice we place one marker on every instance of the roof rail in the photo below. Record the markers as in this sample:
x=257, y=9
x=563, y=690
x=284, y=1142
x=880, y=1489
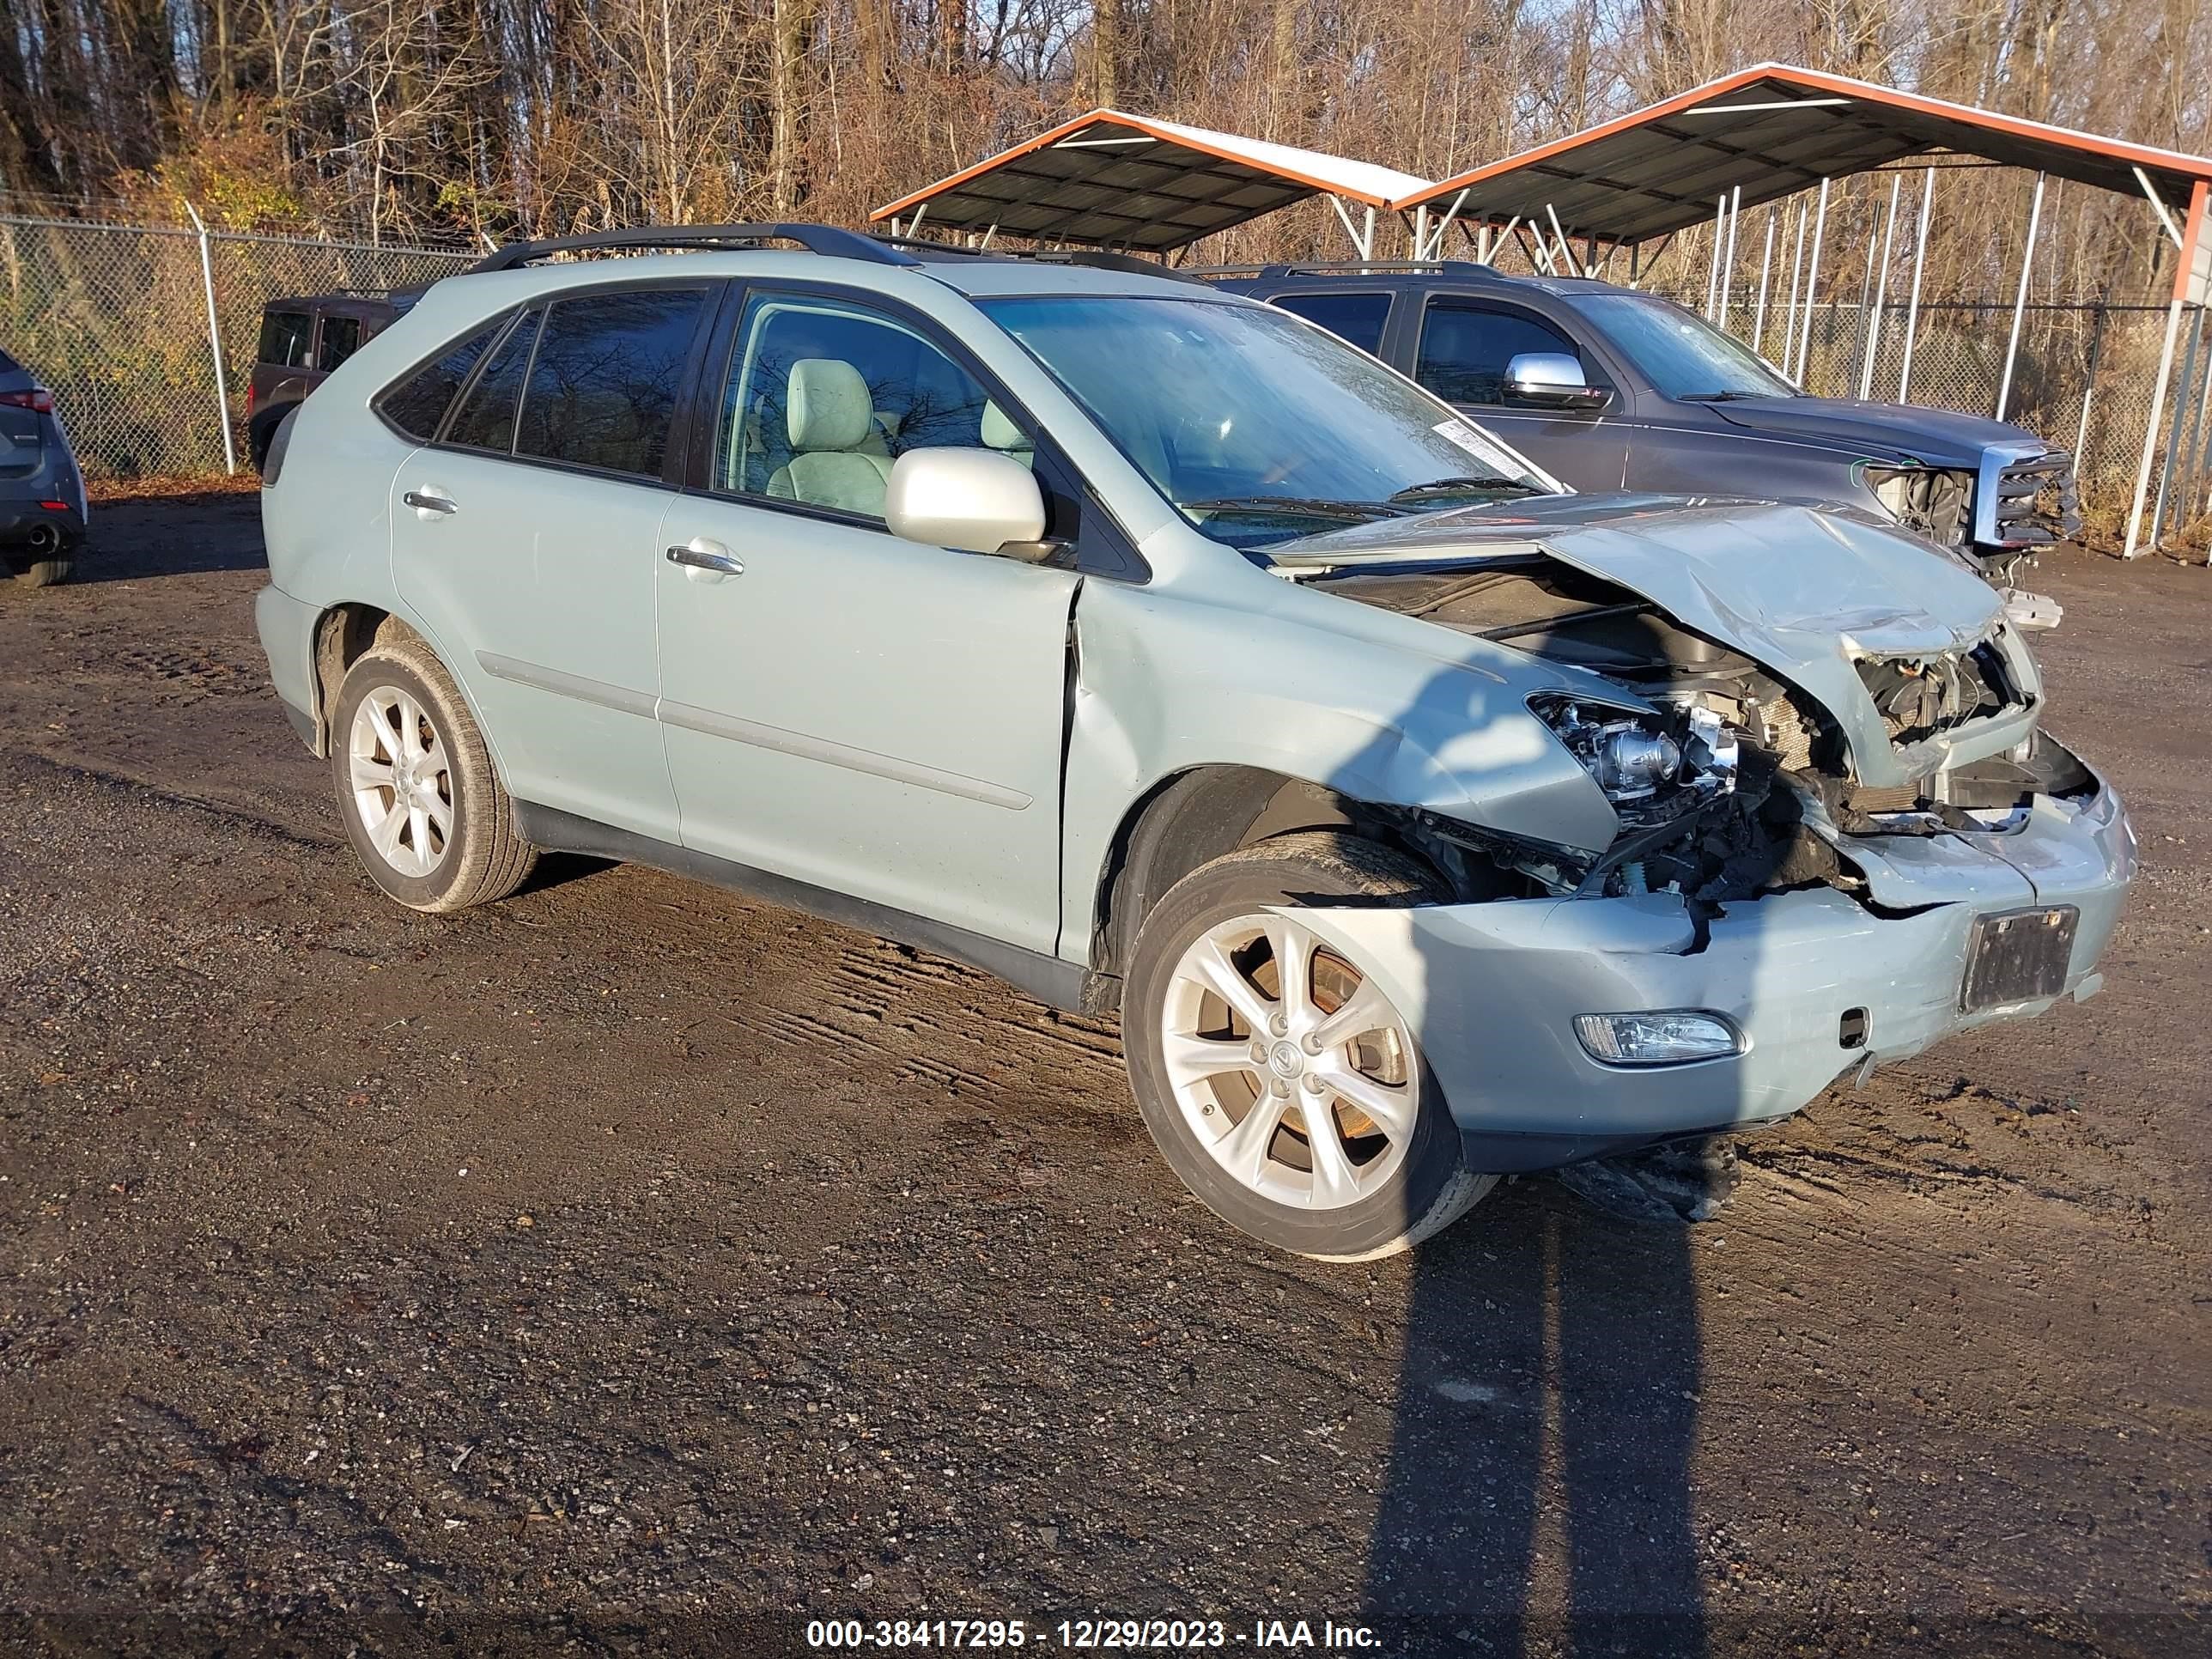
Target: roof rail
x=1096, y=258
x=1343, y=268
x=826, y=239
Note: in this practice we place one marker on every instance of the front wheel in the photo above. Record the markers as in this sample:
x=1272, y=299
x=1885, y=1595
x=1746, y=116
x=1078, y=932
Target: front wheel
x=1276, y=1078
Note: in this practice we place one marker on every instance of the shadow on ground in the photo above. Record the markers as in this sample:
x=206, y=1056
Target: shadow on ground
x=1538, y=1495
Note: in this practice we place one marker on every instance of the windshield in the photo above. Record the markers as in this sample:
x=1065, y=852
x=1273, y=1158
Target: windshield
x=1684, y=356
x=1258, y=426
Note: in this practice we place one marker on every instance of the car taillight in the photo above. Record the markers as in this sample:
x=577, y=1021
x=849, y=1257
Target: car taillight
x=37, y=398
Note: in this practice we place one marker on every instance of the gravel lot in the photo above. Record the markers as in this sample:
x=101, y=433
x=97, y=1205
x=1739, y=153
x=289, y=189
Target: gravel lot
x=630, y=1265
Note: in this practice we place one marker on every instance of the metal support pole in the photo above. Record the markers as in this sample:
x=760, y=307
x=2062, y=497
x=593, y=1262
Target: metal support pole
x=2020, y=299
x=1790, y=317
x=2182, y=282
x=1880, y=293
x=1920, y=264
x=1766, y=264
x=2174, y=447
x=2185, y=510
x=214, y=345
x=1566, y=248
x=1727, y=260
x=1420, y=232
x=1811, y=283
x=1713, y=268
x=2088, y=391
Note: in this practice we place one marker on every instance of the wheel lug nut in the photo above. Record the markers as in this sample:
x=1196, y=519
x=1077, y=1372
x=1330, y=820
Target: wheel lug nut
x=1282, y=1086
x=1259, y=1051
x=1313, y=1084
x=1310, y=1042
x=1281, y=1024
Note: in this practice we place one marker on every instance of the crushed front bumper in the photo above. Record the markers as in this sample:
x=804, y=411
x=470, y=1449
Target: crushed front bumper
x=1492, y=989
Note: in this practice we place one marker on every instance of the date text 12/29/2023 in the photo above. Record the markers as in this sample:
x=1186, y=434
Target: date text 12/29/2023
x=1094, y=1634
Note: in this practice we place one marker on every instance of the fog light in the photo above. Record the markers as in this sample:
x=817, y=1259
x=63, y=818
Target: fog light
x=1672, y=1037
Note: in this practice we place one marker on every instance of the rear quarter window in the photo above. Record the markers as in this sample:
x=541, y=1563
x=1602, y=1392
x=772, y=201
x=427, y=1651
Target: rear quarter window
x=418, y=404
x=284, y=337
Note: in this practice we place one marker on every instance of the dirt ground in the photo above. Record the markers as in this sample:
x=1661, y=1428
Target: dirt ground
x=630, y=1265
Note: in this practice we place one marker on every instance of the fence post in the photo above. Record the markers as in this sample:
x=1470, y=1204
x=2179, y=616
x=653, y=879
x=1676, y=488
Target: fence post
x=214, y=345
x=2089, y=390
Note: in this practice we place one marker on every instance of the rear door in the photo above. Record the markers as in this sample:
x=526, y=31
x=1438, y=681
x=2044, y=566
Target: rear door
x=1357, y=318
x=527, y=536
x=1464, y=348
x=842, y=706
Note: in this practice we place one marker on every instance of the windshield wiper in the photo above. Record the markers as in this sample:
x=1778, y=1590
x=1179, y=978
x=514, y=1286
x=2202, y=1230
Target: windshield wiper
x=1461, y=486
x=1727, y=397
x=1297, y=507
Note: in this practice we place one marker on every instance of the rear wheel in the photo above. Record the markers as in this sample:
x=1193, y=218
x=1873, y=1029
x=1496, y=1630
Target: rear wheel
x=42, y=572
x=1276, y=1076
x=421, y=802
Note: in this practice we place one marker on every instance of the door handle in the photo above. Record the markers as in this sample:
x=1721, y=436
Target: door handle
x=702, y=558
x=429, y=503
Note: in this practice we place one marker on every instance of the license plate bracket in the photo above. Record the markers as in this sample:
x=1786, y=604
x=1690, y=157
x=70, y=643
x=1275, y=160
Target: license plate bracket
x=2018, y=956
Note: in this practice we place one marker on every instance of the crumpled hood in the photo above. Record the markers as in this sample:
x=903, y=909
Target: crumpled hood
x=1802, y=591
x=1875, y=431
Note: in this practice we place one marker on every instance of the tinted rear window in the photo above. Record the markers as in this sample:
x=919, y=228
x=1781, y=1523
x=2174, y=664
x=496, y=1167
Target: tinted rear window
x=341, y=339
x=418, y=403
x=284, y=337
x=485, y=419
x=1357, y=318
x=603, y=390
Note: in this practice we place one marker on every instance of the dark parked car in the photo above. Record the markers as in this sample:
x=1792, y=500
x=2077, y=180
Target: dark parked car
x=302, y=340
x=42, y=505
x=1609, y=388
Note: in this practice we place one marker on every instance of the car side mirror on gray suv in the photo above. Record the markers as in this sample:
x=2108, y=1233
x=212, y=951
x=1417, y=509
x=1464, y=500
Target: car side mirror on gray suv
x=975, y=501
x=1552, y=379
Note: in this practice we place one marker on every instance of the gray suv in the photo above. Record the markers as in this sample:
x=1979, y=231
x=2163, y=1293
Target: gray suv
x=1150, y=648
x=1609, y=388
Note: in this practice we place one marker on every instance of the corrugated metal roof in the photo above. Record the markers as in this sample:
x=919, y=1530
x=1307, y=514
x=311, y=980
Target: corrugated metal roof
x=1773, y=130
x=1113, y=179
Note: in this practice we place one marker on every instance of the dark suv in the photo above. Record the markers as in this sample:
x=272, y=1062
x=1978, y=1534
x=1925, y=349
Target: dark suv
x=302, y=340
x=1609, y=388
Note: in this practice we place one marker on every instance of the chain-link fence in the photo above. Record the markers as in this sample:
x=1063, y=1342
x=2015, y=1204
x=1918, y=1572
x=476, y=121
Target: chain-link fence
x=114, y=318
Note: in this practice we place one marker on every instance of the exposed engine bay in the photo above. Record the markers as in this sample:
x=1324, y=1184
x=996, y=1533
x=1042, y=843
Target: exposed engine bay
x=1743, y=784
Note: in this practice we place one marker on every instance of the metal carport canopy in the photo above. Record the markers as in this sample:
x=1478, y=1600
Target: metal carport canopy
x=1771, y=131
x=1111, y=180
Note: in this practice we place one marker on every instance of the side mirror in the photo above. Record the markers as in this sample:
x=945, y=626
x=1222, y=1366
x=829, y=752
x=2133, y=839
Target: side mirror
x=975, y=500
x=1553, y=379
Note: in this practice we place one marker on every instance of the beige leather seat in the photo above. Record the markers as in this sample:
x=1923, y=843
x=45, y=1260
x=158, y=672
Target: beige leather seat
x=837, y=457
x=1000, y=433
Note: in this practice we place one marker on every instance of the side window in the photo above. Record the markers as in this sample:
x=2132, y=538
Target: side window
x=485, y=419
x=417, y=403
x=823, y=396
x=341, y=339
x=1357, y=318
x=1465, y=349
x=284, y=338
x=602, y=387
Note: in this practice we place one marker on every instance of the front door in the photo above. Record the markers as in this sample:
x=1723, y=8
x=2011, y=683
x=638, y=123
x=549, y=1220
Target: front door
x=526, y=536
x=841, y=707
x=1465, y=346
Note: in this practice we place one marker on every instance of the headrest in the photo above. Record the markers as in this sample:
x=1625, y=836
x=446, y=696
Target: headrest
x=1000, y=432
x=826, y=405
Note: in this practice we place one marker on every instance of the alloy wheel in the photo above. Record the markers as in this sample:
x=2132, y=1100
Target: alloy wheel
x=403, y=783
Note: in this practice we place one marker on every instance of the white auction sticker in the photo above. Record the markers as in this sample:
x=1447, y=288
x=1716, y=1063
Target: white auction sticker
x=1460, y=432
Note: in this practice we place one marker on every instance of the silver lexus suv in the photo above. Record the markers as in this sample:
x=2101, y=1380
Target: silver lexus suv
x=1157, y=650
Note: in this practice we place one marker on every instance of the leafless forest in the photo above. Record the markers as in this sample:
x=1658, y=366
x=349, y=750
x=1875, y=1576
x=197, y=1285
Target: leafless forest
x=405, y=118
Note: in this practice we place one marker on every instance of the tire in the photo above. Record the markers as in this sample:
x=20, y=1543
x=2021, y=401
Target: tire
x=469, y=852
x=44, y=572
x=1391, y=1172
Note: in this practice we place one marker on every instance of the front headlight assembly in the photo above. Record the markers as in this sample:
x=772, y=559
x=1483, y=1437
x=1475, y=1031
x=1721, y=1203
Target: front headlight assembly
x=1635, y=756
x=1932, y=501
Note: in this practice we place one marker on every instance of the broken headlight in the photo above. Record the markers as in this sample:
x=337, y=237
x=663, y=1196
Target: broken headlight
x=1930, y=501
x=1635, y=756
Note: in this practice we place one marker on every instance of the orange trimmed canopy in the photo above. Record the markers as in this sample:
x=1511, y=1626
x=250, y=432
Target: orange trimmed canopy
x=1112, y=179
x=1774, y=129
